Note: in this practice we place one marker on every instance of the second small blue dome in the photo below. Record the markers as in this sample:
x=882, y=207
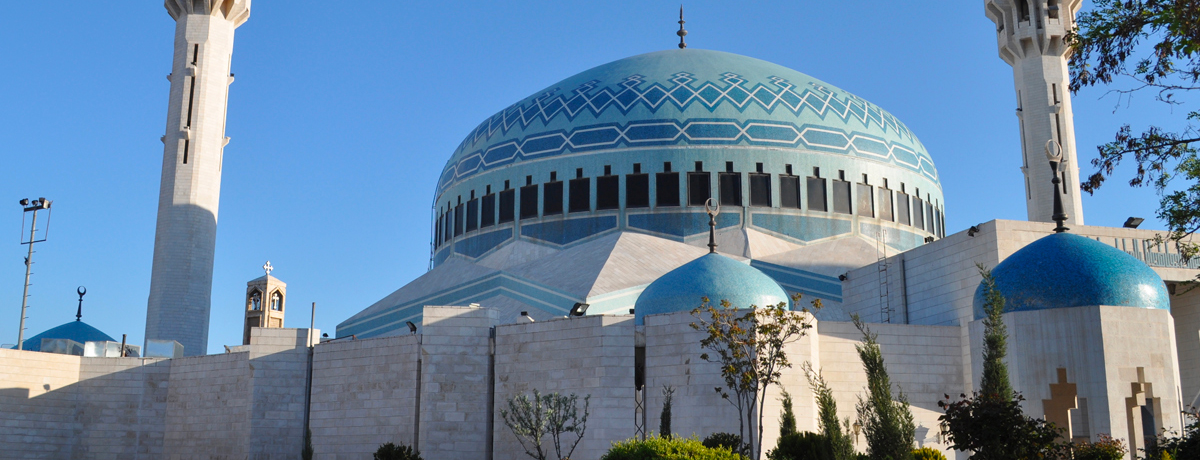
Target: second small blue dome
x=1065, y=270
x=714, y=276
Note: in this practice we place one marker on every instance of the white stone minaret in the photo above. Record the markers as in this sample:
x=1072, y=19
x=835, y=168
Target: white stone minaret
x=185, y=237
x=1030, y=34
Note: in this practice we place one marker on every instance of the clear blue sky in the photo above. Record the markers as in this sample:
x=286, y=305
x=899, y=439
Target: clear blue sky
x=344, y=113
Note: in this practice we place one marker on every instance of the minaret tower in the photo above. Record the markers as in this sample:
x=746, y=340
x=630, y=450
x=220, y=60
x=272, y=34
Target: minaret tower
x=185, y=237
x=1029, y=34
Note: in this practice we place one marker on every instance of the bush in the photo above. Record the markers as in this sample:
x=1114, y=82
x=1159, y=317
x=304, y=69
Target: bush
x=802, y=446
x=1106, y=448
x=928, y=453
x=729, y=441
x=677, y=448
x=391, y=451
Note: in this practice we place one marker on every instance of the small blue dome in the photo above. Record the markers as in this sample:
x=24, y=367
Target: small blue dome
x=714, y=276
x=78, y=331
x=1065, y=270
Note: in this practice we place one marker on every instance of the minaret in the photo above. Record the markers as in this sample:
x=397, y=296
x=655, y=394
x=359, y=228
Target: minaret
x=185, y=237
x=1030, y=35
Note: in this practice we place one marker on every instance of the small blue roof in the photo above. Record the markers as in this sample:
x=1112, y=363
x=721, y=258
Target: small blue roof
x=1065, y=270
x=714, y=276
x=78, y=331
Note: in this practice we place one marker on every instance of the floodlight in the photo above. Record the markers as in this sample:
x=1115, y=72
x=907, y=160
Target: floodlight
x=1133, y=222
x=579, y=309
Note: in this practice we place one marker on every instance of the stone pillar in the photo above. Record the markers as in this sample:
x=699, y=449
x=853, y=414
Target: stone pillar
x=186, y=232
x=455, y=415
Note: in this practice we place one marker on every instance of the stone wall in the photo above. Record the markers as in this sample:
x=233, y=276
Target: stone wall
x=37, y=404
x=208, y=407
x=590, y=355
x=364, y=394
x=924, y=362
x=120, y=405
x=455, y=363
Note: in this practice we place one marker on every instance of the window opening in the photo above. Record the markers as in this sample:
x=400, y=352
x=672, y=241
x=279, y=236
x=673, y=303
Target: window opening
x=699, y=188
x=918, y=212
x=816, y=193
x=578, y=173
x=580, y=195
x=458, y=219
x=529, y=200
x=730, y=184
x=191, y=100
x=256, y=301
x=788, y=169
x=195, y=53
x=608, y=190
x=789, y=191
x=507, y=204
x=637, y=168
x=637, y=189
x=186, y=144
x=487, y=217
x=528, y=180
x=552, y=203
x=841, y=194
x=607, y=170
x=885, y=203
x=472, y=213
x=866, y=199
x=666, y=166
x=276, y=301
x=666, y=188
x=760, y=188
x=902, y=211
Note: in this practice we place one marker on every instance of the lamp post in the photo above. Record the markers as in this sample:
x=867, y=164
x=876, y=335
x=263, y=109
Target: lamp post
x=1054, y=154
x=30, y=206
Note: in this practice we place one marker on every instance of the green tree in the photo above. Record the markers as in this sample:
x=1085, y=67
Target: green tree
x=887, y=421
x=749, y=345
x=995, y=381
x=839, y=440
x=1153, y=44
x=787, y=420
x=552, y=414
x=991, y=423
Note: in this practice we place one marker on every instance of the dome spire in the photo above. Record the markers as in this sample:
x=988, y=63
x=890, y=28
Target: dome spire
x=681, y=32
x=79, y=312
x=712, y=225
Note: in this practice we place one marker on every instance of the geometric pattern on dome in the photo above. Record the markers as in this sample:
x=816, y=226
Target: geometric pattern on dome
x=685, y=92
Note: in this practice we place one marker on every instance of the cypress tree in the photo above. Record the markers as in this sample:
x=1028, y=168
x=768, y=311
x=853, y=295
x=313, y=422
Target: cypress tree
x=887, y=421
x=839, y=440
x=787, y=421
x=995, y=383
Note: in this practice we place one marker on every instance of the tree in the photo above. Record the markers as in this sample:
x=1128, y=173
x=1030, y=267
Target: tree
x=664, y=420
x=749, y=346
x=839, y=440
x=552, y=414
x=787, y=420
x=991, y=423
x=1106, y=47
x=994, y=382
x=887, y=422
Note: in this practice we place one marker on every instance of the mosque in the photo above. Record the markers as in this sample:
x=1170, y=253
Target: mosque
x=574, y=231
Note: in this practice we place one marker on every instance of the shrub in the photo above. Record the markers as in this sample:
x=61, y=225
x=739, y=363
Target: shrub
x=1106, y=448
x=928, y=453
x=391, y=451
x=802, y=446
x=664, y=419
x=730, y=441
x=657, y=448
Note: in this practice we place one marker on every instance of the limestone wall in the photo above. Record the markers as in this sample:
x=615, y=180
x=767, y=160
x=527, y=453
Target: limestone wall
x=37, y=404
x=364, y=394
x=208, y=407
x=922, y=361
x=279, y=378
x=1185, y=309
x=590, y=355
x=121, y=404
x=454, y=415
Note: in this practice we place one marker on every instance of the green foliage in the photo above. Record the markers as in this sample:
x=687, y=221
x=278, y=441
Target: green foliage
x=1107, y=46
x=996, y=429
x=787, y=420
x=1106, y=448
x=664, y=421
x=995, y=381
x=307, y=452
x=802, y=446
x=887, y=421
x=928, y=453
x=749, y=345
x=839, y=440
x=658, y=448
x=1174, y=446
x=391, y=451
x=729, y=441
x=553, y=414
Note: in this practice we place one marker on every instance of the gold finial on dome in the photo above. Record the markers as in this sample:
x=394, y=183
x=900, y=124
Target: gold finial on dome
x=681, y=32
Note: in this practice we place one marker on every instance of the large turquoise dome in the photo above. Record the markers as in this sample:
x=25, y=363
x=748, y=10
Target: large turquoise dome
x=78, y=331
x=1065, y=270
x=713, y=276
x=640, y=143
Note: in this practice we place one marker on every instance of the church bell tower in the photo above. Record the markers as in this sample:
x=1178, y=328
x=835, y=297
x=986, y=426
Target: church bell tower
x=265, y=303
x=1029, y=35
x=186, y=233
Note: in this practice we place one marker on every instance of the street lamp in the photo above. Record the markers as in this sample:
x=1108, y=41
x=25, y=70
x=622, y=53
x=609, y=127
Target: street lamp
x=33, y=206
x=1054, y=154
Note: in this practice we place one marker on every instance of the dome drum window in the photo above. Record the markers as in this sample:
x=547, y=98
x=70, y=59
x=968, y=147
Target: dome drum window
x=666, y=187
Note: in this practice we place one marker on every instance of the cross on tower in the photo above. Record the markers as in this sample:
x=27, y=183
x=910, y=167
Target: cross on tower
x=267, y=267
x=1063, y=398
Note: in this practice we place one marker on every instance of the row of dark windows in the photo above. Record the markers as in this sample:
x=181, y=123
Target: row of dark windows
x=498, y=208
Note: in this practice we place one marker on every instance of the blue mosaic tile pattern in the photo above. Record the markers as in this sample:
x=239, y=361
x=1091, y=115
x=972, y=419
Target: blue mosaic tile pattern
x=1065, y=270
x=567, y=231
x=711, y=275
x=812, y=285
x=803, y=228
x=682, y=97
x=478, y=245
x=680, y=224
